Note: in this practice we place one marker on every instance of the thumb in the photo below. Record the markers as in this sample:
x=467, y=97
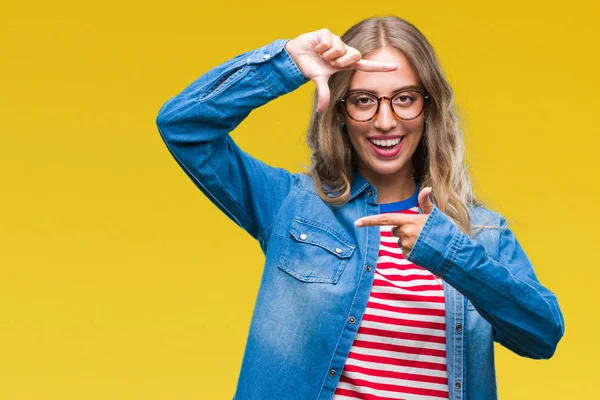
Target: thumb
x=425, y=200
x=322, y=92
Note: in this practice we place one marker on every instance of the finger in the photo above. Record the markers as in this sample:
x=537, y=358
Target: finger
x=425, y=200
x=384, y=219
x=338, y=49
x=325, y=41
x=352, y=55
x=333, y=53
x=404, y=249
x=374, y=66
x=406, y=252
x=322, y=92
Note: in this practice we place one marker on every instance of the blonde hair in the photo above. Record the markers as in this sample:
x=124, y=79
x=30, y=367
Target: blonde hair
x=438, y=161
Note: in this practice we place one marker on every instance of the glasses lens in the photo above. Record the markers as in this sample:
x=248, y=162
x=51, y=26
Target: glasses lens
x=361, y=106
x=408, y=105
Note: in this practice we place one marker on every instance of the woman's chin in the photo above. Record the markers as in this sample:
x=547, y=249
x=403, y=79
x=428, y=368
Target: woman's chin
x=385, y=168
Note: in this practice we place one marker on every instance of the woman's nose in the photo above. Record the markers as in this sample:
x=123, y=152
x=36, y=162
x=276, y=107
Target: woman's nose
x=385, y=119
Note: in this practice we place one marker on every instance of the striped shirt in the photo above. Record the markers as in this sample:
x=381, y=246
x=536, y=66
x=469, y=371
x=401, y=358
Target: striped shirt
x=399, y=351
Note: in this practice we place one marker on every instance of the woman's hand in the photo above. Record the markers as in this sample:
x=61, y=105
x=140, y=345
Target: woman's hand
x=407, y=227
x=320, y=54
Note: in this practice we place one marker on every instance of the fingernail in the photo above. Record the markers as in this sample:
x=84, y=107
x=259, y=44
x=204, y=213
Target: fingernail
x=358, y=223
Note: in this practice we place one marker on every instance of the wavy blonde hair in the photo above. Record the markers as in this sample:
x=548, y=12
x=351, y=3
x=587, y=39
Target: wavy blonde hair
x=438, y=161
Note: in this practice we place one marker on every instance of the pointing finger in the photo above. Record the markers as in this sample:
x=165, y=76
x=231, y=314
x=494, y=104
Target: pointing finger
x=384, y=219
x=374, y=66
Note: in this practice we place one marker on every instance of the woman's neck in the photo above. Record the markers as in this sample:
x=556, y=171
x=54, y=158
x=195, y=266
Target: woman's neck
x=394, y=187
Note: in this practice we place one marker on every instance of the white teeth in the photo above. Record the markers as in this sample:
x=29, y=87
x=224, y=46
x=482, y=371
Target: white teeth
x=386, y=143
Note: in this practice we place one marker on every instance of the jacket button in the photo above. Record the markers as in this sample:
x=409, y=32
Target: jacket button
x=332, y=373
x=303, y=237
x=457, y=385
x=352, y=320
x=368, y=268
x=458, y=328
x=338, y=250
x=370, y=193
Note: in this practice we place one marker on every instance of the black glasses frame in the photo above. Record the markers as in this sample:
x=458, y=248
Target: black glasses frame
x=379, y=99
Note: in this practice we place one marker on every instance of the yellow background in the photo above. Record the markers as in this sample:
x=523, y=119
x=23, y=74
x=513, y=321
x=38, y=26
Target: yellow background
x=119, y=280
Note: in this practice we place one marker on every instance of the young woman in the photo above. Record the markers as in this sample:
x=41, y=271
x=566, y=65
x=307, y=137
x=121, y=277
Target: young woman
x=384, y=277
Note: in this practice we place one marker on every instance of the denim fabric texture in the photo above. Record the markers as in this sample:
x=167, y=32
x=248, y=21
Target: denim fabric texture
x=318, y=267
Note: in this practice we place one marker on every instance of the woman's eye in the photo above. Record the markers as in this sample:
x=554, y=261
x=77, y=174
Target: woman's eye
x=363, y=101
x=404, y=99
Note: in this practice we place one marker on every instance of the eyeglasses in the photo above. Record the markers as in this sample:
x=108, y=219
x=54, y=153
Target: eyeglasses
x=364, y=106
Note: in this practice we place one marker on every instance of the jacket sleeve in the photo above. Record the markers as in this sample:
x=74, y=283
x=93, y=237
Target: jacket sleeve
x=524, y=315
x=195, y=127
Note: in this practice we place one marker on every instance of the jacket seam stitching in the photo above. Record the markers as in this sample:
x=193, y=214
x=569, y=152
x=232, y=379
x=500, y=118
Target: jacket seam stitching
x=222, y=82
x=455, y=244
x=253, y=69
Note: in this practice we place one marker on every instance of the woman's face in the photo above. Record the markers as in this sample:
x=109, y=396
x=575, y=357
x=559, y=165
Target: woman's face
x=374, y=160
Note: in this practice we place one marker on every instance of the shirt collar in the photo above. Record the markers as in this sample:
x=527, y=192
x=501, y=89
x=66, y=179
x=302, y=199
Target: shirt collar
x=358, y=185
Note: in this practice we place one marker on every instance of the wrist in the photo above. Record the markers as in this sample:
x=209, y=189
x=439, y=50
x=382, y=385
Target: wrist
x=291, y=48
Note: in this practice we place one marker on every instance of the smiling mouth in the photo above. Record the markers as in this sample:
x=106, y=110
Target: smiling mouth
x=386, y=144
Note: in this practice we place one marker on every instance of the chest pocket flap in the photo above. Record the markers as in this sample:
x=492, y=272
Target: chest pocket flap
x=314, y=252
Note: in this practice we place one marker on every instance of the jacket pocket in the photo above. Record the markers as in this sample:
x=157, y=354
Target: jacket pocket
x=314, y=252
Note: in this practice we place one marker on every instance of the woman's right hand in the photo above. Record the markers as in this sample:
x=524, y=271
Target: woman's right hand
x=320, y=54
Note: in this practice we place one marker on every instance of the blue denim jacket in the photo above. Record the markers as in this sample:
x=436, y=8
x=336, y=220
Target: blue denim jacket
x=319, y=270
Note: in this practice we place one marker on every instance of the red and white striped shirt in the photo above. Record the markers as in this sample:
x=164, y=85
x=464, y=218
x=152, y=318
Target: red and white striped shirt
x=400, y=349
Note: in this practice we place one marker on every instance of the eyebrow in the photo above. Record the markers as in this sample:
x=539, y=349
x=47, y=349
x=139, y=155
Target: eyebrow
x=410, y=87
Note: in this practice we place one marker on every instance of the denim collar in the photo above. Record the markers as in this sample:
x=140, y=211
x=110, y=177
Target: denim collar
x=359, y=184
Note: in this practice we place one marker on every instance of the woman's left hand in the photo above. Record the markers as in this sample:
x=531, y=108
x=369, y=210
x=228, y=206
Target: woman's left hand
x=407, y=227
